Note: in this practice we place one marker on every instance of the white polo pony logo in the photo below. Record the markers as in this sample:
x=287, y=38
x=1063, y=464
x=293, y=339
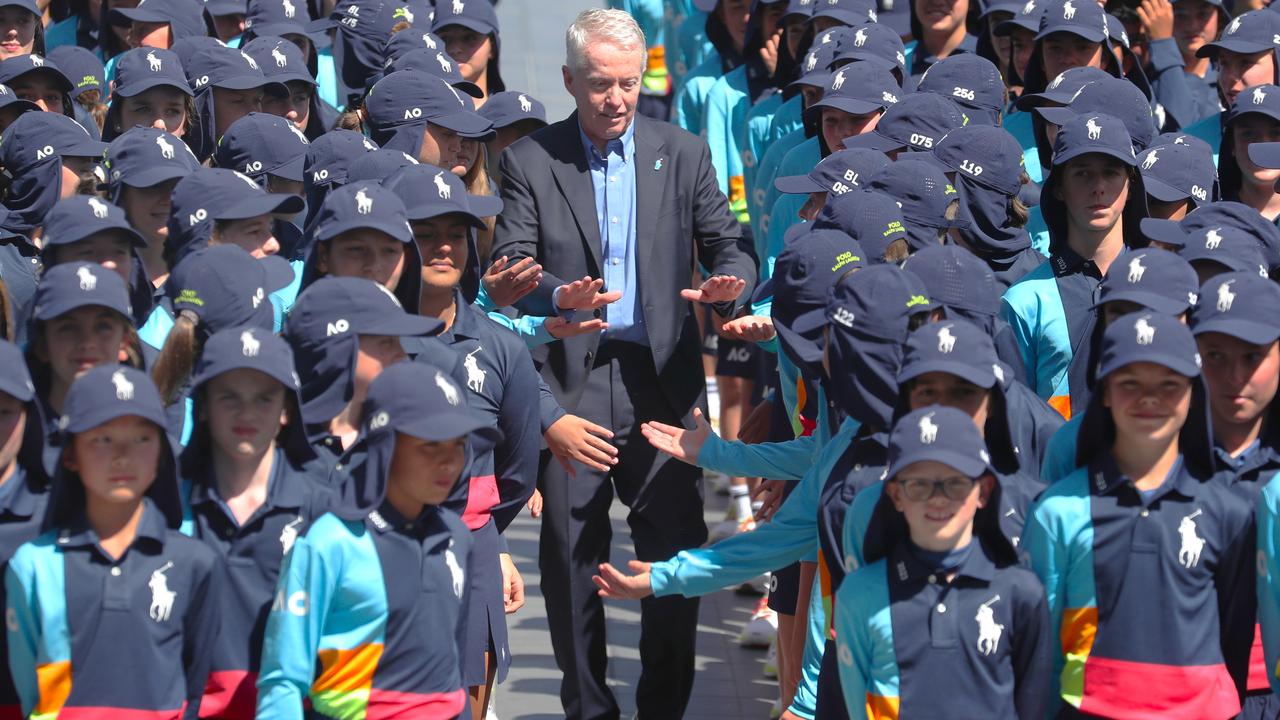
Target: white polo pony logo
x=860, y=37
x=989, y=631
x=279, y=57
x=249, y=345
x=1192, y=544
x=525, y=105
x=946, y=341
x=289, y=534
x=442, y=187
x=156, y=63
x=838, y=82
x=1136, y=270
x=289, y=9
x=928, y=430
x=1226, y=298
x=1095, y=130
x=1212, y=239
x=475, y=376
x=444, y=64
x=161, y=596
x=455, y=571
x=1068, y=10
x=166, y=148
x=446, y=387
x=1259, y=95
x=458, y=7
x=1145, y=334
x=1152, y=159
x=88, y=280
x=124, y=388
x=364, y=203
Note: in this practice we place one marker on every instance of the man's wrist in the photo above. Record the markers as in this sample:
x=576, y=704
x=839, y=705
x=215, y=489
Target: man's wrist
x=567, y=314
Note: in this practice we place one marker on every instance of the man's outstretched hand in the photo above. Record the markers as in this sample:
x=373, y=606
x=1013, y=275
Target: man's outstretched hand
x=716, y=289
x=585, y=294
x=681, y=444
x=617, y=585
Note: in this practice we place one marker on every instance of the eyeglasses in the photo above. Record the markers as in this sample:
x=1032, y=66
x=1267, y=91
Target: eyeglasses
x=956, y=487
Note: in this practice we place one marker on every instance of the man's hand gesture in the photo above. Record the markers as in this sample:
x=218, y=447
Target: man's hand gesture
x=716, y=289
x=584, y=294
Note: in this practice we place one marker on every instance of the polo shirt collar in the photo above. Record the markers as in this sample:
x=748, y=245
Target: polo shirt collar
x=906, y=567
x=283, y=490
x=151, y=526
x=1105, y=478
x=16, y=498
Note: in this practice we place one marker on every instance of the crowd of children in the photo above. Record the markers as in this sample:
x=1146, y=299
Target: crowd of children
x=999, y=428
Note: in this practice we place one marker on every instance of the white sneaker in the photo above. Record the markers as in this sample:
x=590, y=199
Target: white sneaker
x=771, y=661
x=761, y=629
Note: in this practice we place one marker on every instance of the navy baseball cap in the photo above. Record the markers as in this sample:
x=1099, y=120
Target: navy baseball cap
x=34, y=138
x=1178, y=138
x=19, y=65
x=1171, y=173
x=956, y=278
x=185, y=17
x=1265, y=154
x=77, y=218
x=15, y=381
x=226, y=68
x=335, y=306
x=144, y=157
x=72, y=285
x=872, y=218
x=378, y=165
x=1026, y=17
x=917, y=122
x=938, y=434
x=276, y=17
x=969, y=80
x=510, y=107
x=1089, y=134
x=478, y=15
x=261, y=144
x=1168, y=232
x=438, y=63
x=1153, y=278
x=923, y=193
x=1251, y=318
x=108, y=392
x=223, y=194
x=955, y=347
x=363, y=204
x=279, y=59
x=1242, y=217
x=1259, y=99
x=412, y=98
x=1063, y=87
x=246, y=348
x=1115, y=97
x=429, y=191
x=1075, y=17
x=8, y=98
x=838, y=173
x=880, y=302
x=1247, y=33
x=28, y=5
x=81, y=67
x=876, y=44
x=187, y=47
x=227, y=287
x=989, y=156
x=816, y=63
x=803, y=274
x=329, y=157
x=859, y=91
x=847, y=12
x=141, y=69
x=1151, y=337
x=409, y=39
x=1231, y=247
x=421, y=400
x=220, y=8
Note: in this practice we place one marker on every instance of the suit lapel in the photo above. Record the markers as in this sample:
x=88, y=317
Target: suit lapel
x=573, y=177
x=651, y=175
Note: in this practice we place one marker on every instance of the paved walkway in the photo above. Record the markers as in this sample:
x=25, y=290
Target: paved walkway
x=729, y=680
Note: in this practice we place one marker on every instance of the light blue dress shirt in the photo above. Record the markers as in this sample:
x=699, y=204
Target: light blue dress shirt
x=613, y=177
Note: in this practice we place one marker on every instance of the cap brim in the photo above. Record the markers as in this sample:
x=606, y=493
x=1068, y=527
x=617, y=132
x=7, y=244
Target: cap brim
x=152, y=175
x=1063, y=158
x=1017, y=21
x=873, y=141
x=816, y=78
x=1147, y=299
x=427, y=211
x=1243, y=47
x=265, y=204
x=454, y=423
x=966, y=465
x=124, y=16
x=1169, y=232
x=1194, y=254
x=852, y=106
x=86, y=148
x=279, y=272
x=982, y=377
x=1265, y=154
x=291, y=170
x=101, y=414
x=471, y=23
x=1057, y=115
x=1179, y=365
x=249, y=82
x=292, y=75
x=20, y=104
x=278, y=29
x=219, y=8
x=1089, y=34
x=1163, y=191
x=330, y=231
x=1250, y=332
x=798, y=185
x=315, y=26
x=402, y=325
x=465, y=123
x=141, y=86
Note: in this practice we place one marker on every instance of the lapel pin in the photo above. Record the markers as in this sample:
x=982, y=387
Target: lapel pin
x=657, y=165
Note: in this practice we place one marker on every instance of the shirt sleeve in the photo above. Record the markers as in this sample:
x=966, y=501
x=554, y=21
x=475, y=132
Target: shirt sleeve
x=23, y=639
x=293, y=632
x=787, y=460
x=515, y=459
x=854, y=650
x=532, y=330
x=200, y=628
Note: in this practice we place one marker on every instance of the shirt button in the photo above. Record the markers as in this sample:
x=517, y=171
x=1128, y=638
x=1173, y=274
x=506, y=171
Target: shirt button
x=942, y=608
x=1145, y=512
x=616, y=261
x=614, y=220
x=933, y=579
x=857, y=467
x=613, y=178
x=115, y=571
x=229, y=532
x=338, y=466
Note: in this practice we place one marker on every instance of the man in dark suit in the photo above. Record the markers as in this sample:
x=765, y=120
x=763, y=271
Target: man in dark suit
x=617, y=209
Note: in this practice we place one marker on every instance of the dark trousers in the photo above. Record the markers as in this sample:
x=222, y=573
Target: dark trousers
x=665, y=501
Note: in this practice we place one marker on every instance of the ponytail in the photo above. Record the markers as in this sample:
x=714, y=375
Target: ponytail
x=6, y=313
x=353, y=119
x=1018, y=212
x=177, y=359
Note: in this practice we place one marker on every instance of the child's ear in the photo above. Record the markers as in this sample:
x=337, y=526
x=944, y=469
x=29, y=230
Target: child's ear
x=894, y=491
x=322, y=258
x=69, y=457
x=986, y=486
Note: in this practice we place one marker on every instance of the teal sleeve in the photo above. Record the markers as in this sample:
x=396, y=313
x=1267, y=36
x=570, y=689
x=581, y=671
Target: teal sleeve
x=531, y=329
x=856, y=521
x=1060, y=455
x=854, y=647
x=788, y=460
x=1024, y=335
x=805, y=702
x=1269, y=577
x=293, y=633
x=23, y=640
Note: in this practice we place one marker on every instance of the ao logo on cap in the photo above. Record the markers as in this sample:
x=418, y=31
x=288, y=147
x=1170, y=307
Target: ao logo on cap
x=253, y=166
x=337, y=327
x=199, y=215
x=412, y=113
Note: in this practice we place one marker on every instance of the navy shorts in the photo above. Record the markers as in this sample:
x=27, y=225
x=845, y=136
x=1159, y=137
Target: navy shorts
x=737, y=359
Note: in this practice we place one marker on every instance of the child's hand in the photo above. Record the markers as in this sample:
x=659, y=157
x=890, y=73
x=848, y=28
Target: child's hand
x=535, y=505
x=512, y=585
x=505, y=284
x=1157, y=19
x=616, y=585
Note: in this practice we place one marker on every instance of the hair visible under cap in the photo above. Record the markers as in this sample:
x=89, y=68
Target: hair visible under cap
x=615, y=27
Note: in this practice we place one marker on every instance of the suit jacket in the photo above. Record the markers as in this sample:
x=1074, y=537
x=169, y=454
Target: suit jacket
x=549, y=214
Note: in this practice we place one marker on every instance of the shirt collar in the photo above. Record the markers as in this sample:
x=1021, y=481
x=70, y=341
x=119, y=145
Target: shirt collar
x=908, y=568
x=464, y=323
x=283, y=490
x=1106, y=479
x=625, y=145
x=151, y=526
x=16, y=498
x=387, y=519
